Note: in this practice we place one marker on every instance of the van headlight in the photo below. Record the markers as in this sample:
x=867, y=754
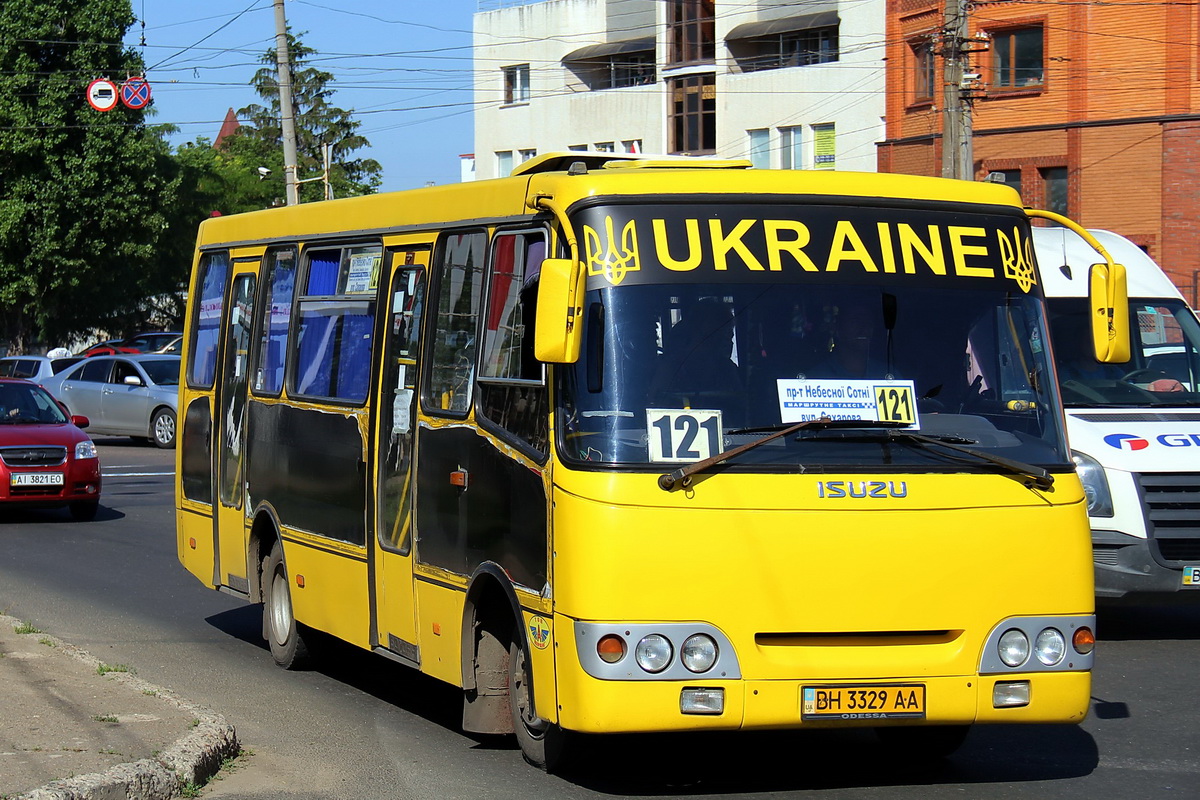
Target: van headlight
x=1095, y=485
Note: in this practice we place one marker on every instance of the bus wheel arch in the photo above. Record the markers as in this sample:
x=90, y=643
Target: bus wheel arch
x=264, y=532
x=491, y=621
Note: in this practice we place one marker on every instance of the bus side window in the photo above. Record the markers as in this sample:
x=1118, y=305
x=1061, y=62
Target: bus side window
x=511, y=383
x=281, y=281
x=459, y=269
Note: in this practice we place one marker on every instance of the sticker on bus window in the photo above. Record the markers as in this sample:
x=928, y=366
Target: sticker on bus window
x=363, y=275
x=683, y=434
x=868, y=400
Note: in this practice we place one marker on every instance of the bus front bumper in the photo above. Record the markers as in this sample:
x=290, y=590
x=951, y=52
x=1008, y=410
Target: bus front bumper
x=598, y=706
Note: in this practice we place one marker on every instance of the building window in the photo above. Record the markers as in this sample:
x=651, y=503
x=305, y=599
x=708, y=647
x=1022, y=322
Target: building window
x=693, y=114
x=604, y=147
x=824, y=146
x=760, y=148
x=792, y=49
x=631, y=145
x=924, y=71
x=1017, y=58
x=1011, y=177
x=790, y=154
x=527, y=154
x=1055, y=181
x=516, y=84
x=504, y=163
x=690, y=24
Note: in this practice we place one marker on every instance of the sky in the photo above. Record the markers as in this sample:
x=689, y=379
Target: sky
x=404, y=67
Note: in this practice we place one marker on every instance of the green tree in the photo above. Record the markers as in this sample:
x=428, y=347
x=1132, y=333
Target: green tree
x=82, y=193
x=318, y=122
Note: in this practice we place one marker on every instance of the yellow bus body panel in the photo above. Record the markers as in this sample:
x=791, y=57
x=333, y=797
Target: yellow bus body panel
x=334, y=595
x=197, y=558
x=439, y=628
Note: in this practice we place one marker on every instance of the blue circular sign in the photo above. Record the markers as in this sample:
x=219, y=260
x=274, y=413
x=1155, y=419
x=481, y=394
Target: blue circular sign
x=135, y=93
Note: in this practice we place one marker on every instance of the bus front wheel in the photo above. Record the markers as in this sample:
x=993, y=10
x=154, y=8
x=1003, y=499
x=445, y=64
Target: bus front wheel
x=543, y=744
x=288, y=647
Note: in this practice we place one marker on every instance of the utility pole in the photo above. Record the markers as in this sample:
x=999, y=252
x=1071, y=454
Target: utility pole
x=957, y=158
x=286, y=112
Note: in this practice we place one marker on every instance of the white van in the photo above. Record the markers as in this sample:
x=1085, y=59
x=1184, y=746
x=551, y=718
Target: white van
x=1134, y=428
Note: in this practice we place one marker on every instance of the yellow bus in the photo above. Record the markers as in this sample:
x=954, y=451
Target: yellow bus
x=638, y=445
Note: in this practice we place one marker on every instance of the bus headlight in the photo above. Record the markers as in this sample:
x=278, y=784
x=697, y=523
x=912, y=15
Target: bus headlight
x=1014, y=648
x=1050, y=647
x=1095, y=485
x=653, y=653
x=699, y=653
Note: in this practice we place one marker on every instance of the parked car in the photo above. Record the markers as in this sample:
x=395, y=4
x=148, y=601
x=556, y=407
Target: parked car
x=46, y=460
x=35, y=368
x=108, y=348
x=175, y=346
x=151, y=342
x=125, y=395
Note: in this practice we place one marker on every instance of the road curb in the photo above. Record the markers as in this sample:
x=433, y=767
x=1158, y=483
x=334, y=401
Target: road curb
x=192, y=759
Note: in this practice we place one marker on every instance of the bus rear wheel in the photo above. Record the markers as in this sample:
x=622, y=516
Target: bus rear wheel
x=288, y=647
x=543, y=744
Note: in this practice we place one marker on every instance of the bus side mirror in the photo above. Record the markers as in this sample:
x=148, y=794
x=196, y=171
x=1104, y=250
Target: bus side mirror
x=559, y=322
x=1108, y=299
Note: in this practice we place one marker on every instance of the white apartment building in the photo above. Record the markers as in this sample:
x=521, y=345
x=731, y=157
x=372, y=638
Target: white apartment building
x=788, y=85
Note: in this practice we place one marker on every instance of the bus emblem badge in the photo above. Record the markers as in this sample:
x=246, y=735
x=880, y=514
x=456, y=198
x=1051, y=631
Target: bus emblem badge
x=539, y=632
x=1018, y=259
x=607, y=257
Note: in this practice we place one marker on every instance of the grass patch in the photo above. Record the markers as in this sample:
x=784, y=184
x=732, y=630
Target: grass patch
x=26, y=627
x=104, y=669
x=47, y=641
x=104, y=717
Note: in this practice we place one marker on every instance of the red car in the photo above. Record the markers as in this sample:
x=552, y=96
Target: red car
x=110, y=348
x=46, y=461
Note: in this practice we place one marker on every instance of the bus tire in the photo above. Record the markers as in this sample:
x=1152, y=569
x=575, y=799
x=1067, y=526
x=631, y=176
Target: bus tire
x=923, y=743
x=543, y=744
x=287, y=644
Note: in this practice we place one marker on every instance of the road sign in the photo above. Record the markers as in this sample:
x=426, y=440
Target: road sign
x=102, y=94
x=135, y=93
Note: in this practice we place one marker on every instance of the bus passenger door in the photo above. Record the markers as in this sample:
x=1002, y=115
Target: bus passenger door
x=229, y=430
x=394, y=593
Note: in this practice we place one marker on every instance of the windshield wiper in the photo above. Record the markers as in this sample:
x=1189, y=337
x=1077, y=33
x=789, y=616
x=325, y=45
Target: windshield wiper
x=683, y=476
x=1034, y=476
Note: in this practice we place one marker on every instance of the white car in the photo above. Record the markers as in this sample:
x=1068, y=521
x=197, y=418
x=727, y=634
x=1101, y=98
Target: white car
x=34, y=368
x=123, y=395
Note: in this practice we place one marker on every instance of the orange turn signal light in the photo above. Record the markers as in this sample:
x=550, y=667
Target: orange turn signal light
x=300, y=581
x=1084, y=641
x=610, y=648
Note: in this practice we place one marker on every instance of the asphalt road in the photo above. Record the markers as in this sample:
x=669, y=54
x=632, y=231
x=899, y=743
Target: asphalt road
x=362, y=727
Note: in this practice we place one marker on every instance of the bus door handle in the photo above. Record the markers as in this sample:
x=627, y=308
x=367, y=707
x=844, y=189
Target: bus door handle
x=459, y=478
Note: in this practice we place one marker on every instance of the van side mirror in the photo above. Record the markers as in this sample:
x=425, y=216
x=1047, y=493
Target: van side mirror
x=559, y=320
x=1108, y=300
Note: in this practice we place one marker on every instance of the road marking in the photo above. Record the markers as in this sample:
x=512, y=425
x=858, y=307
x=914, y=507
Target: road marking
x=104, y=474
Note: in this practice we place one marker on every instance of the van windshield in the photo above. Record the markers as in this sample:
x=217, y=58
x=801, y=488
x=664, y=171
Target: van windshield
x=688, y=353
x=1164, y=364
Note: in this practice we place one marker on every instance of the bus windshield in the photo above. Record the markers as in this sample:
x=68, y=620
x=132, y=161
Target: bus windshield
x=672, y=370
x=1164, y=364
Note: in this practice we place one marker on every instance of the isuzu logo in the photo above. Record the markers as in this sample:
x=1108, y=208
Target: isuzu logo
x=836, y=489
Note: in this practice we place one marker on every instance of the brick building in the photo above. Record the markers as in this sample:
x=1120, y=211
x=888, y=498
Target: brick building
x=1092, y=110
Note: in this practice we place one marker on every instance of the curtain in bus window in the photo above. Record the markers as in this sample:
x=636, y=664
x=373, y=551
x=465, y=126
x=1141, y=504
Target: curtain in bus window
x=207, y=324
x=323, y=271
x=334, y=350
x=271, y=354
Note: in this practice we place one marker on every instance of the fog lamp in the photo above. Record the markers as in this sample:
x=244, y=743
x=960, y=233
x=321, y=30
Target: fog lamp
x=698, y=700
x=1010, y=694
